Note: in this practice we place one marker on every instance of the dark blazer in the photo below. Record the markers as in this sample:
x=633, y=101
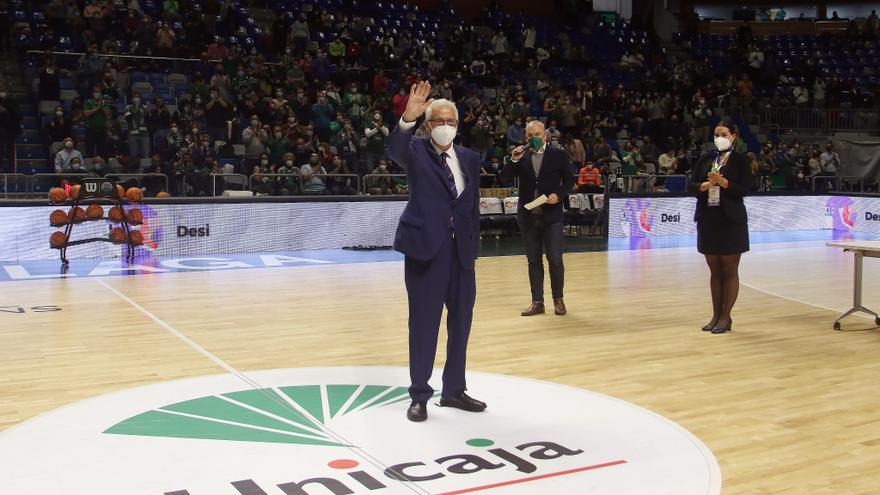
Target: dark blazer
x=738, y=171
x=424, y=223
x=556, y=176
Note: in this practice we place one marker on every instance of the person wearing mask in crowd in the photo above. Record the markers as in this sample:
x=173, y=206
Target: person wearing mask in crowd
x=721, y=179
x=65, y=155
x=311, y=174
x=544, y=173
x=340, y=186
x=138, y=136
x=254, y=138
x=289, y=185
x=59, y=127
x=589, y=179
x=377, y=181
x=97, y=113
x=377, y=134
x=438, y=233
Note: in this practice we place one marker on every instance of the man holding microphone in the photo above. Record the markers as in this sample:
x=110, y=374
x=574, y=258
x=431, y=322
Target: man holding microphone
x=545, y=179
x=439, y=233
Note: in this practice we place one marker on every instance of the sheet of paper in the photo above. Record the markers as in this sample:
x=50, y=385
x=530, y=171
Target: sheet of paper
x=537, y=202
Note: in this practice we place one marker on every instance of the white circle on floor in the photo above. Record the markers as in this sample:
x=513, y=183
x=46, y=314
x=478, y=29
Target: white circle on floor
x=343, y=430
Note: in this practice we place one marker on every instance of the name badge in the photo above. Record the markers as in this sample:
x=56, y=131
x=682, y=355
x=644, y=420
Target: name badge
x=714, y=195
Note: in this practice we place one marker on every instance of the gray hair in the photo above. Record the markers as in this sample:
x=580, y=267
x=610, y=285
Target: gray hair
x=535, y=122
x=442, y=102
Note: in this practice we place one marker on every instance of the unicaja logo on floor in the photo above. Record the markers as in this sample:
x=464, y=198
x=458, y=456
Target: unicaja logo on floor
x=340, y=431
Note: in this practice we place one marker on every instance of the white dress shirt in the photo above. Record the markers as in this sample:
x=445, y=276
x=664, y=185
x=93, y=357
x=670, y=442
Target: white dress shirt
x=451, y=160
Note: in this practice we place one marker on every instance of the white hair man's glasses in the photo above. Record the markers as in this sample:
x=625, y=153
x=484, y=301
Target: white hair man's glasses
x=439, y=122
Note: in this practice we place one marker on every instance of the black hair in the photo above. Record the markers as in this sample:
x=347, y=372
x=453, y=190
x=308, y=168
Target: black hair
x=729, y=125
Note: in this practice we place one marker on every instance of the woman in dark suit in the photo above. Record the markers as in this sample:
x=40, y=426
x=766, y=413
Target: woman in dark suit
x=721, y=179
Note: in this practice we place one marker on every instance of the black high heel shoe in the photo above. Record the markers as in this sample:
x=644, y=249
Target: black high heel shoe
x=709, y=326
x=726, y=328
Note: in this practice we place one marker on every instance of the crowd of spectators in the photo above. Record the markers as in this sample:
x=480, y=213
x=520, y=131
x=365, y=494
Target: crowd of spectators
x=289, y=104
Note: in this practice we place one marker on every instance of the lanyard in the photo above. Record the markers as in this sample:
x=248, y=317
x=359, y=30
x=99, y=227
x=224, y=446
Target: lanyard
x=716, y=166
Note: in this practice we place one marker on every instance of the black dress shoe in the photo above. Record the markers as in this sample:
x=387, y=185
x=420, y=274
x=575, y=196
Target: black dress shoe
x=726, y=328
x=464, y=402
x=417, y=412
x=709, y=326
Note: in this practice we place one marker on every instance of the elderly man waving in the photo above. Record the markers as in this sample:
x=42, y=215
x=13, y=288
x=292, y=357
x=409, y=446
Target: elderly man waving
x=439, y=234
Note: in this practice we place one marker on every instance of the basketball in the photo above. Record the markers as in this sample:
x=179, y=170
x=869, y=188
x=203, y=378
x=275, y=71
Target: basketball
x=134, y=216
x=77, y=215
x=57, y=195
x=163, y=194
x=116, y=214
x=94, y=212
x=136, y=237
x=58, y=218
x=120, y=191
x=134, y=195
x=117, y=235
x=57, y=240
x=74, y=191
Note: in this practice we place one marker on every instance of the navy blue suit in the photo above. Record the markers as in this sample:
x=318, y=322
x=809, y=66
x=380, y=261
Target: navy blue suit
x=439, y=264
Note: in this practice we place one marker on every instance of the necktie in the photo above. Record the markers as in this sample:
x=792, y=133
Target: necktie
x=450, y=179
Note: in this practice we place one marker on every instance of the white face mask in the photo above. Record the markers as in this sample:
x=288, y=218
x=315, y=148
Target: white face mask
x=722, y=143
x=443, y=135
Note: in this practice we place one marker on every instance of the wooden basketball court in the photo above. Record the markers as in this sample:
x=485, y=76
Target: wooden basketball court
x=786, y=404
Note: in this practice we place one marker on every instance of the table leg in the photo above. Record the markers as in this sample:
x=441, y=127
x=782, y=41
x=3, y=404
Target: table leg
x=858, y=259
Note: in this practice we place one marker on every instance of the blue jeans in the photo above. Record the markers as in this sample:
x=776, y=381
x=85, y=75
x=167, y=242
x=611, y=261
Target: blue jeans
x=539, y=238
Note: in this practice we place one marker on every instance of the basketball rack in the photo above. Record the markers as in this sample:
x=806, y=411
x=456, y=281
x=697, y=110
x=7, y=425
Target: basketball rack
x=101, y=192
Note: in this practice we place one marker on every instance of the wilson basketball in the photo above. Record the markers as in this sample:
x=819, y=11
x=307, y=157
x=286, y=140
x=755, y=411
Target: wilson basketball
x=74, y=191
x=77, y=215
x=94, y=212
x=162, y=194
x=58, y=218
x=57, y=240
x=136, y=237
x=57, y=195
x=120, y=191
x=117, y=235
x=135, y=217
x=134, y=195
x=116, y=214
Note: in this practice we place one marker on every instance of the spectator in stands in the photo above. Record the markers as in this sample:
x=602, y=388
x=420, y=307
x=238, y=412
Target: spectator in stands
x=288, y=185
x=800, y=94
x=819, y=93
x=50, y=86
x=376, y=184
x=97, y=114
x=667, y=162
x=830, y=162
x=575, y=150
x=262, y=184
x=299, y=34
x=398, y=102
x=255, y=138
x=65, y=155
x=59, y=127
x=589, y=179
x=138, y=135
x=340, y=185
x=217, y=114
x=376, y=133
x=310, y=173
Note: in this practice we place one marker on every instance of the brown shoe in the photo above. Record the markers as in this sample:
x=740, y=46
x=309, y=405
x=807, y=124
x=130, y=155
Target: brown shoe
x=559, y=307
x=537, y=308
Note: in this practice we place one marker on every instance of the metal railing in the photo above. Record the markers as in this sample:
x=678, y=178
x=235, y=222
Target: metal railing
x=16, y=180
x=121, y=177
x=302, y=184
x=243, y=182
x=815, y=120
x=838, y=183
x=380, y=177
x=53, y=179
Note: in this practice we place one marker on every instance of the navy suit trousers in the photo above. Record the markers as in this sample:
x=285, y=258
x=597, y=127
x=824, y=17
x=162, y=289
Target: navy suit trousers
x=430, y=285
